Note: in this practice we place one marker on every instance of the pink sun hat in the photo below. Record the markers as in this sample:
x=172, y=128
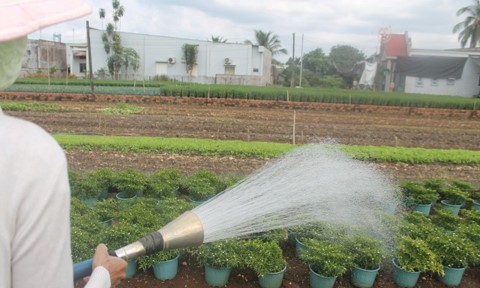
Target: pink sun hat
x=21, y=17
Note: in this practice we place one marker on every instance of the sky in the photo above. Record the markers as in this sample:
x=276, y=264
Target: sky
x=322, y=23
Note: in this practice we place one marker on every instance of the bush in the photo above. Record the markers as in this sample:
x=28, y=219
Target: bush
x=367, y=252
x=417, y=193
x=453, y=250
x=263, y=257
x=129, y=182
x=414, y=255
x=328, y=259
x=202, y=185
x=163, y=184
x=220, y=254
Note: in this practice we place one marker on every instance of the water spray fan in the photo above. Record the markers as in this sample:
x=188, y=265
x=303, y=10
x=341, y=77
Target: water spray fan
x=313, y=183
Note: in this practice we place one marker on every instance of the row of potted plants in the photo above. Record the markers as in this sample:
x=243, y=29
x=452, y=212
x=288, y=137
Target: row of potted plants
x=442, y=244
x=454, y=195
x=327, y=250
x=130, y=183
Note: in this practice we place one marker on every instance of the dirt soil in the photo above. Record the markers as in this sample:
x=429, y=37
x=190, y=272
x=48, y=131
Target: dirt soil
x=251, y=120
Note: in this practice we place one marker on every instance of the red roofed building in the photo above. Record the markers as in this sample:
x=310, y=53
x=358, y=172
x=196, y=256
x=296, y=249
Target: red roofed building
x=392, y=46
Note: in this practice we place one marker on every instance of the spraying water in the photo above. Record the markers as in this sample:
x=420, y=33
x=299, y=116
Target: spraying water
x=313, y=183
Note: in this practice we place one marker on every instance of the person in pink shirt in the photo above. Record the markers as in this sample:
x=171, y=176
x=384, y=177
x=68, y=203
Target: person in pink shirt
x=35, y=207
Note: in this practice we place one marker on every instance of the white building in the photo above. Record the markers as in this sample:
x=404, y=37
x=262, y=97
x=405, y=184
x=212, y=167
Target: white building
x=441, y=72
x=217, y=63
x=427, y=71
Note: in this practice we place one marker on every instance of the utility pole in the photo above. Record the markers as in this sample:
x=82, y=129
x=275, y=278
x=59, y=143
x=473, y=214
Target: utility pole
x=292, y=81
x=301, y=64
x=89, y=48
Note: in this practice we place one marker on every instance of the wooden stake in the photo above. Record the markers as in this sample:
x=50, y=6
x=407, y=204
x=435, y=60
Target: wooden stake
x=294, y=120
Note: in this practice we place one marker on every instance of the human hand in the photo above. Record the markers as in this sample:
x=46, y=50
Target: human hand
x=115, y=266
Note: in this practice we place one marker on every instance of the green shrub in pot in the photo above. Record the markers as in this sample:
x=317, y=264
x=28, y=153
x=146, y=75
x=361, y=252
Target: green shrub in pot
x=326, y=258
x=263, y=257
x=416, y=225
x=104, y=176
x=471, y=231
x=147, y=262
x=414, y=255
x=130, y=182
x=455, y=195
x=417, y=193
x=107, y=209
x=163, y=183
x=453, y=249
x=88, y=187
x=444, y=219
x=202, y=185
x=219, y=254
x=367, y=251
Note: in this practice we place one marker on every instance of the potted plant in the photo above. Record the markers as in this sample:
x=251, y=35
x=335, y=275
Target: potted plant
x=164, y=263
x=218, y=259
x=163, y=184
x=454, y=198
x=471, y=231
x=106, y=210
x=367, y=254
x=327, y=260
x=129, y=183
x=266, y=259
x=202, y=185
x=475, y=195
x=455, y=252
x=411, y=257
x=88, y=189
x=419, y=197
x=444, y=219
x=105, y=177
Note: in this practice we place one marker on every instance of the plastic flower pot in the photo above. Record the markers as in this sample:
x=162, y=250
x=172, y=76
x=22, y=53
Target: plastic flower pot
x=108, y=222
x=272, y=280
x=131, y=269
x=454, y=208
x=363, y=278
x=424, y=208
x=452, y=276
x=299, y=246
x=476, y=204
x=403, y=278
x=166, y=270
x=90, y=201
x=125, y=201
x=319, y=281
x=216, y=276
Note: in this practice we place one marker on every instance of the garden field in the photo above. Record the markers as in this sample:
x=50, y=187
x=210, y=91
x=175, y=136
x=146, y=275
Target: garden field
x=97, y=132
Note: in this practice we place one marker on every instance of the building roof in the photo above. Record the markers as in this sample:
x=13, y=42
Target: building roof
x=395, y=45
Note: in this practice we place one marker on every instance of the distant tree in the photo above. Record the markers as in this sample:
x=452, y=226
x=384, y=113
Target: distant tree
x=469, y=28
x=287, y=72
x=130, y=59
x=190, y=52
x=269, y=41
x=344, y=58
x=112, y=42
x=218, y=39
x=318, y=63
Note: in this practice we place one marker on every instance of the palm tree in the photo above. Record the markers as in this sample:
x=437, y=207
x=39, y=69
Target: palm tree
x=470, y=27
x=218, y=39
x=101, y=13
x=269, y=41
